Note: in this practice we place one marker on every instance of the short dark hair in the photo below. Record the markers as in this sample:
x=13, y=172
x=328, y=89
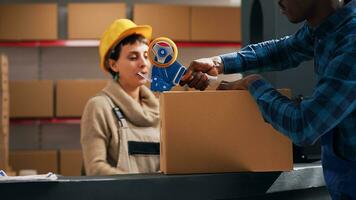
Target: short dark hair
x=115, y=51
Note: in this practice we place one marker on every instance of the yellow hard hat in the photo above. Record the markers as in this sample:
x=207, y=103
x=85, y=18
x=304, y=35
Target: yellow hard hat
x=117, y=31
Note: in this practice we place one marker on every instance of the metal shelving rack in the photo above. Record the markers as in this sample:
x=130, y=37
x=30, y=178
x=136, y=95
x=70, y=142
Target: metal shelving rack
x=95, y=43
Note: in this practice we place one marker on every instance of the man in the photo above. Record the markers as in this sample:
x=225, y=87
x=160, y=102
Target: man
x=328, y=36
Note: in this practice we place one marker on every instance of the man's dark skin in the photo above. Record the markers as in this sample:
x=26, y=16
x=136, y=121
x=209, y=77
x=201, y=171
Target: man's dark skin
x=313, y=11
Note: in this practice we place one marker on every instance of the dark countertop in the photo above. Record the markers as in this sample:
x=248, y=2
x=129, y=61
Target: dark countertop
x=305, y=178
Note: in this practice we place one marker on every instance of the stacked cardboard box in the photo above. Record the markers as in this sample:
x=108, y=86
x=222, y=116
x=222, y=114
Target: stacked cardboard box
x=182, y=23
x=72, y=95
x=191, y=23
x=70, y=162
x=31, y=98
x=216, y=24
x=67, y=162
x=28, y=21
x=81, y=16
x=4, y=113
x=166, y=20
x=218, y=131
x=35, y=98
x=43, y=161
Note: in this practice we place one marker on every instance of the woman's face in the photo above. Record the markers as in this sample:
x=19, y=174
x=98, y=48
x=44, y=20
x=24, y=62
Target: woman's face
x=132, y=60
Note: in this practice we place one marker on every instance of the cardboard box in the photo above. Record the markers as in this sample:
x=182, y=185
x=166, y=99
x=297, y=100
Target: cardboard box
x=218, y=131
x=171, y=21
x=28, y=21
x=89, y=20
x=216, y=24
x=72, y=95
x=40, y=160
x=4, y=112
x=70, y=162
x=33, y=98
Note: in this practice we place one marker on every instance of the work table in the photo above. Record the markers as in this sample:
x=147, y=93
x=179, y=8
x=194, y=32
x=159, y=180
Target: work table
x=304, y=181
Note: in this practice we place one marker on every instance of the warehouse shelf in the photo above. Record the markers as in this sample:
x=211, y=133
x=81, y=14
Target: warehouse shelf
x=95, y=43
x=51, y=43
x=54, y=120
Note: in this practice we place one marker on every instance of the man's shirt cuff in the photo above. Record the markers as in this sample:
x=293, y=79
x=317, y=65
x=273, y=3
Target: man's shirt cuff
x=232, y=63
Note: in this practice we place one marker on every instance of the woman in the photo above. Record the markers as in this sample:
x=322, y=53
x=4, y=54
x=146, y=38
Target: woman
x=119, y=126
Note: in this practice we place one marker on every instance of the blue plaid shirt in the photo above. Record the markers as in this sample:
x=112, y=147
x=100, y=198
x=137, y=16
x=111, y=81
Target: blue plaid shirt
x=332, y=107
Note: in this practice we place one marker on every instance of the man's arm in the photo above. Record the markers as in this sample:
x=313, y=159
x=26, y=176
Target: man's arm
x=332, y=101
x=273, y=55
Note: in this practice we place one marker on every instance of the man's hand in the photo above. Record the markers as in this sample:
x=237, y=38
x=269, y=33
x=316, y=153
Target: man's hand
x=195, y=75
x=241, y=84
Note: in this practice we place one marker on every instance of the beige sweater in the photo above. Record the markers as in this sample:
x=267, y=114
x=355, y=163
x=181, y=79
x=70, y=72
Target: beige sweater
x=99, y=126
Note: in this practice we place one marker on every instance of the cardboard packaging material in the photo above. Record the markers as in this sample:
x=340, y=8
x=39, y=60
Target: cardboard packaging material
x=72, y=95
x=4, y=112
x=31, y=98
x=40, y=160
x=70, y=162
x=218, y=131
x=166, y=20
x=81, y=16
x=28, y=21
x=216, y=24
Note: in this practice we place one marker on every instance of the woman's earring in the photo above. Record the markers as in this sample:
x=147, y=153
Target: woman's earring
x=116, y=76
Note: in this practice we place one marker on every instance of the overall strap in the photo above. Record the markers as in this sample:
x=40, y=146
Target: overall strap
x=117, y=112
x=134, y=147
